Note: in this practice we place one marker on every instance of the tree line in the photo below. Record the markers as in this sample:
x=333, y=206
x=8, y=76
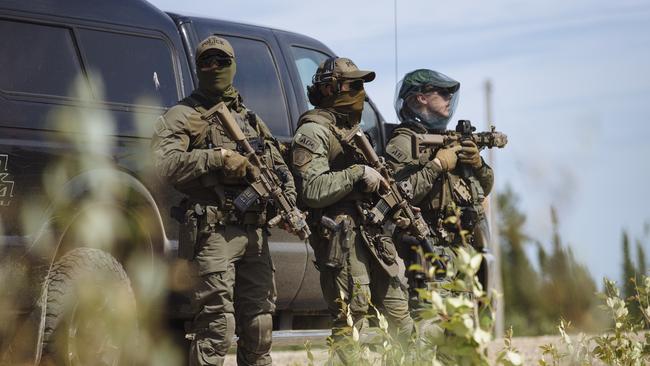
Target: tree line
x=559, y=286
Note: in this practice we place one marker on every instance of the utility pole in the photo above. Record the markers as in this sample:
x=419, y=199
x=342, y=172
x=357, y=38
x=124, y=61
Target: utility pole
x=492, y=220
x=395, y=33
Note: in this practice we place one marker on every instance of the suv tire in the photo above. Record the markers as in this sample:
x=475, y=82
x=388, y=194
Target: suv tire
x=90, y=311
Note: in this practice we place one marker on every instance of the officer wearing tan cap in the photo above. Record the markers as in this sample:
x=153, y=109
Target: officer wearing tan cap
x=336, y=185
x=229, y=248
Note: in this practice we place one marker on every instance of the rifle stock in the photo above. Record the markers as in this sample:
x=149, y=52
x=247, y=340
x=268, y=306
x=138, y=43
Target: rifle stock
x=267, y=184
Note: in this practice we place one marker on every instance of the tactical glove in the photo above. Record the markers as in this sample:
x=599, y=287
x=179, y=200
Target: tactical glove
x=234, y=164
x=252, y=173
x=371, y=178
x=447, y=157
x=469, y=154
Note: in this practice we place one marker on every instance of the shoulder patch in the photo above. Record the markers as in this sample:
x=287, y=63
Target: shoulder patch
x=160, y=127
x=306, y=142
x=300, y=156
x=394, y=152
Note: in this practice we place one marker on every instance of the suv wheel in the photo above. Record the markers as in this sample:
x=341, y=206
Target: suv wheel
x=90, y=311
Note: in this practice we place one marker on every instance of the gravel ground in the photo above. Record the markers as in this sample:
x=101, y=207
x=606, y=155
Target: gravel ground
x=528, y=347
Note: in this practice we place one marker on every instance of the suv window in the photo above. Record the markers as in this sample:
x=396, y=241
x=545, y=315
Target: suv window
x=258, y=82
x=307, y=61
x=134, y=69
x=37, y=59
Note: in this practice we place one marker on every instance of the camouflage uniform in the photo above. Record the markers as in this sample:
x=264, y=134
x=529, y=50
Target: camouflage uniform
x=435, y=190
x=329, y=174
x=230, y=249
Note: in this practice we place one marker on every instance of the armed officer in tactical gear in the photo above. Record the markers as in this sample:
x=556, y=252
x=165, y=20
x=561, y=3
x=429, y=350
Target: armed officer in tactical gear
x=442, y=178
x=235, y=292
x=354, y=259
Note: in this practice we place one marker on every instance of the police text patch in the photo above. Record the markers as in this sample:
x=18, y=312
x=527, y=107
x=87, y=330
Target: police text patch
x=306, y=142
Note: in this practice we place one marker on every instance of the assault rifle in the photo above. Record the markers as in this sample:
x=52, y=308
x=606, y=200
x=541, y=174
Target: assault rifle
x=393, y=203
x=464, y=131
x=267, y=185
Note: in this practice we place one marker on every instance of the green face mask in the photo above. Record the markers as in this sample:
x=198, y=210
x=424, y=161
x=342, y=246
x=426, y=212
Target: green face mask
x=351, y=103
x=216, y=81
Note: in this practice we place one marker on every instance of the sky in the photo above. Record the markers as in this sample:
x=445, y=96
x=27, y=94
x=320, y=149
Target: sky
x=571, y=88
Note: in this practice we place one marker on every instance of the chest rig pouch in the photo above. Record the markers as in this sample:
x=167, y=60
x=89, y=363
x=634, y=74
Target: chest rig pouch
x=228, y=189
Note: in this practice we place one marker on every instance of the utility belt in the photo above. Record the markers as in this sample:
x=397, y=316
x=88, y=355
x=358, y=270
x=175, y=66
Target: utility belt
x=345, y=208
x=197, y=219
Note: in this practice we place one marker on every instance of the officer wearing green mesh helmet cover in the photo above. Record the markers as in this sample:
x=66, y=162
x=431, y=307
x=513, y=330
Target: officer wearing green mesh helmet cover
x=442, y=178
x=334, y=183
x=235, y=289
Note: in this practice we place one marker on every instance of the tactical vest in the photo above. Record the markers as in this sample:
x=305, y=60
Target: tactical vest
x=458, y=186
x=226, y=188
x=341, y=154
x=218, y=136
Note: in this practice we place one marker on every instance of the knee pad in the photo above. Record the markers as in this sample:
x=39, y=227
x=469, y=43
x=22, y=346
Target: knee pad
x=212, y=339
x=255, y=333
x=229, y=319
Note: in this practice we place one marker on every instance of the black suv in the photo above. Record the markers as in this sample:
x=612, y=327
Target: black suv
x=81, y=85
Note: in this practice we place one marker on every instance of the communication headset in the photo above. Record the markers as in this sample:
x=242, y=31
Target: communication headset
x=324, y=77
x=327, y=75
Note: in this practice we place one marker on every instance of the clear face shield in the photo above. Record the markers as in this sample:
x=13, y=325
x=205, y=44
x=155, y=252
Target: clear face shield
x=427, y=97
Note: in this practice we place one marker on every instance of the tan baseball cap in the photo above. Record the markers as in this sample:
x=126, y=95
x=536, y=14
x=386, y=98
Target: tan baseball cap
x=346, y=69
x=215, y=43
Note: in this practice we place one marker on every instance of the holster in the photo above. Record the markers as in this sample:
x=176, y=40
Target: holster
x=188, y=219
x=337, y=235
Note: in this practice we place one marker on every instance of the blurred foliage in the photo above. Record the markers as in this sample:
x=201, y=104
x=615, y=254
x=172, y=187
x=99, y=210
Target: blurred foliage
x=625, y=343
x=453, y=330
x=89, y=290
